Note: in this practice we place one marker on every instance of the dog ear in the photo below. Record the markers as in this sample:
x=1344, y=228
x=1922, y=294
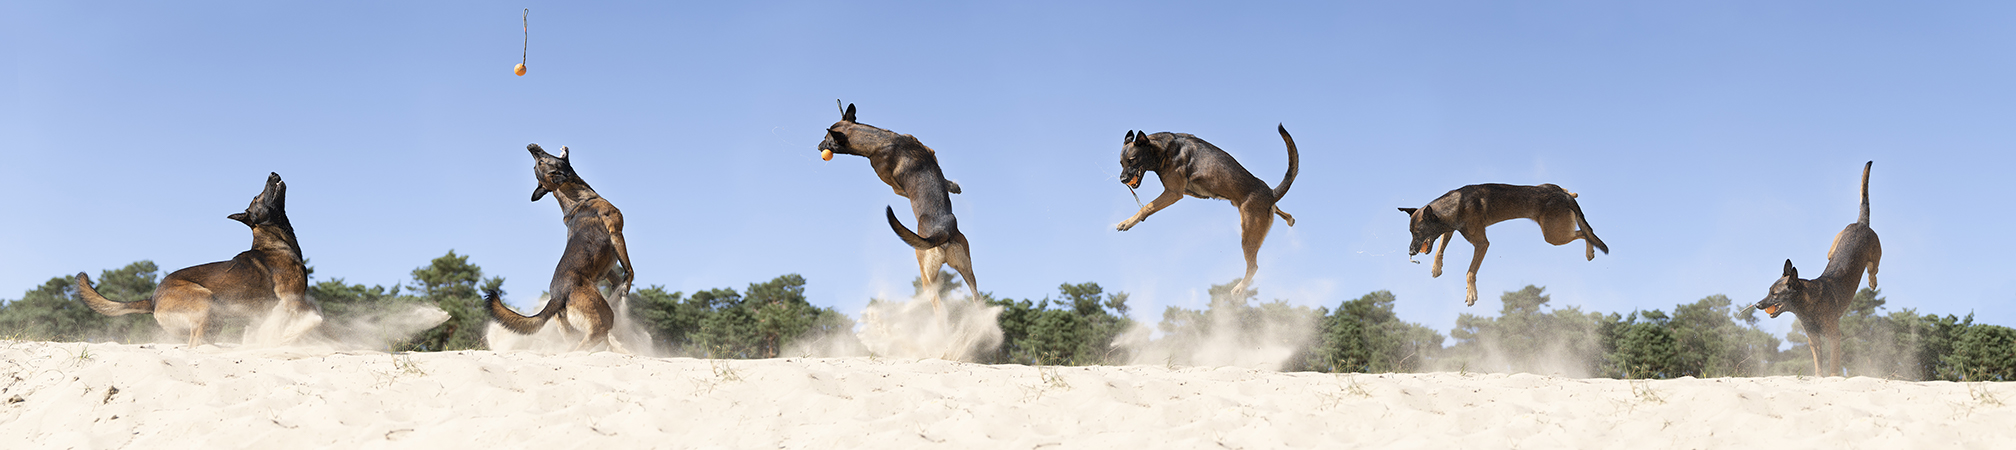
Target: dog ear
x=1409, y=211
x=838, y=138
x=848, y=115
x=1791, y=271
x=1130, y=137
x=1141, y=138
x=563, y=152
x=538, y=192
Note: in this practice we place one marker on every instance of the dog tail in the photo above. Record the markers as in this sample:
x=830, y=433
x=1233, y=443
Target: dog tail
x=915, y=241
x=517, y=323
x=1587, y=233
x=108, y=306
x=1864, y=218
x=1293, y=163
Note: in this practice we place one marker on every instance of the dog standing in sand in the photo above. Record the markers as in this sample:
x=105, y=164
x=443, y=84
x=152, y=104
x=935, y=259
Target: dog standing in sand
x=1820, y=302
x=594, y=246
x=267, y=284
x=1188, y=165
x=1470, y=209
x=910, y=168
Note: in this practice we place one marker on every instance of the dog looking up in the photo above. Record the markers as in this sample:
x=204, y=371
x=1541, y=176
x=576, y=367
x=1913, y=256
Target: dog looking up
x=910, y=168
x=1820, y=302
x=1470, y=209
x=594, y=246
x=267, y=284
x=1188, y=165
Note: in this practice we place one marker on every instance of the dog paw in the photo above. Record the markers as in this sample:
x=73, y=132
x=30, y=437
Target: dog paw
x=1123, y=226
x=1436, y=273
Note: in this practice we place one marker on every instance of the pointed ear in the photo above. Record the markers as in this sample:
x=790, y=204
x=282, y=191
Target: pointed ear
x=838, y=138
x=538, y=192
x=1130, y=137
x=1409, y=211
x=848, y=115
x=1791, y=271
x=563, y=152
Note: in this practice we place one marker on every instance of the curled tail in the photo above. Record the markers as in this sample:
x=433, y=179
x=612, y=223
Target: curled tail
x=915, y=241
x=107, y=306
x=1293, y=162
x=1587, y=233
x=517, y=323
x=1864, y=218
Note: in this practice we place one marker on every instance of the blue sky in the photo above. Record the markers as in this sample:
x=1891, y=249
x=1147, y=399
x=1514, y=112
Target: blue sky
x=1710, y=140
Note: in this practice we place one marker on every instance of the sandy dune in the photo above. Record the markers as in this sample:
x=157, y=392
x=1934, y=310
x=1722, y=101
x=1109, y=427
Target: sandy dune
x=69, y=395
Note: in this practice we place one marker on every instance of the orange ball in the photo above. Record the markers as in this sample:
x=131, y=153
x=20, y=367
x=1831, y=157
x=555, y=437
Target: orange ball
x=826, y=155
x=520, y=70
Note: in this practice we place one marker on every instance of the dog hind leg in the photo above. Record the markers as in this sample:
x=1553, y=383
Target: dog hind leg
x=928, y=261
x=1255, y=219
x=1285, y=218
x=959, y=255
x=1875, y=258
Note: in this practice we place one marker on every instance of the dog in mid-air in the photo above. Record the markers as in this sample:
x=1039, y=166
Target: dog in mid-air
x=1188, y=165
x=1820, y=302
x=594, y=246
x=910, y=168
x=267, y=285
x=1470, y=209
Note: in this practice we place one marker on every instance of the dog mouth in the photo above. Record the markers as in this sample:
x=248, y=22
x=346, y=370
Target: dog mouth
x=1773, y=310
x=1132, y=182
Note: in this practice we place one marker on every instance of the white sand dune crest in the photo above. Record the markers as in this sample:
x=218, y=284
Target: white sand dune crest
x=71, y=395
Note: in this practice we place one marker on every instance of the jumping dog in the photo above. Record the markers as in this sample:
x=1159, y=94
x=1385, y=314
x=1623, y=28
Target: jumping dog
x=910, y=168
x=594, y=246
x=267, y=284
x=1188, y=165
x=1820, y=302
x=1470, y=209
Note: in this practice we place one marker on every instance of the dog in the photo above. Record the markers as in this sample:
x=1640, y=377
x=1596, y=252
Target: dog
x=594, y=247
x=1820, y=302
x=1188, y=165
x=911, y=168
x=267, y=284
x=1470, y=209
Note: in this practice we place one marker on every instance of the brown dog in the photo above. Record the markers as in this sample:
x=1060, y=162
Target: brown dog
x=267, y=284
x=1470, y=209
x=594, y=246
x=1820, y=302
x=1188, y=165
x=910, y=168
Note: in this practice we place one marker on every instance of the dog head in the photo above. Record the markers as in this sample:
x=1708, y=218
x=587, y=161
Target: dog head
x=1139, y=154
x=1425, y=225
x=836, y=135
x=1786, y=293
x=552, y=172
x=269, y=208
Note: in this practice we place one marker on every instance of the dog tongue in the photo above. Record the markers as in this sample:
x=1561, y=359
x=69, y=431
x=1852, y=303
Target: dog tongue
x=826, y=155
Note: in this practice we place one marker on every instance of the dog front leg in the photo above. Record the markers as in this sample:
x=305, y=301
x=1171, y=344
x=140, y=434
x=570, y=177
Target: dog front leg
x=1476, y=259
x=1436, y=270
x=1169, y=197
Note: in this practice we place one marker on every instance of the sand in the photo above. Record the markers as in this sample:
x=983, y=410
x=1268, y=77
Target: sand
x=72, y=395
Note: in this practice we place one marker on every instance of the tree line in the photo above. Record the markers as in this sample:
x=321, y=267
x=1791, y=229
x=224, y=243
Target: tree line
x=1083, y=324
